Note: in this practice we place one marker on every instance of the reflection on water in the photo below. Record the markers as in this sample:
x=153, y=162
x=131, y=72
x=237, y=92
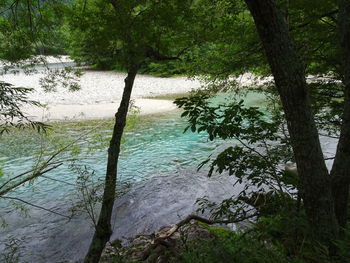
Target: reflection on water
x=156, y=148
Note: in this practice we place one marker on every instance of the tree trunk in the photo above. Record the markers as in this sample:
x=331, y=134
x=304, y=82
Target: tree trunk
x=289, y=75
x=103, y=229
x=341, y=167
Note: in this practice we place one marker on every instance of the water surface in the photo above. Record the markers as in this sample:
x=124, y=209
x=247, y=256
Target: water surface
x=157, y=158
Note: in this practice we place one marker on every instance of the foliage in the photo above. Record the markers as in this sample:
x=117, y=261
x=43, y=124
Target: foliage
x=52, y=151
x=237, y=49
x=233, y=247
x=328, y=103
x=223, y=43
x=107, y=34
x=67, y=77
x=30, y=27
x=280, y=238
x=260, y=147
x=11, y=114
x=163, y=69
x=30, y=31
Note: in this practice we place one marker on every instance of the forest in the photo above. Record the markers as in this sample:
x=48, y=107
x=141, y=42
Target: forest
x=174, y=131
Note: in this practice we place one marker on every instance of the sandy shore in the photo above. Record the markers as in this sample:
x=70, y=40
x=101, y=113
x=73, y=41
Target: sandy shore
x=101, y=87
x=99, y=95
x=70, y=112
x=101, y=92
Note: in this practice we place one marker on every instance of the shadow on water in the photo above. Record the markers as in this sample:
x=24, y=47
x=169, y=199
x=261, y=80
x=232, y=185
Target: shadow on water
x=161, y=201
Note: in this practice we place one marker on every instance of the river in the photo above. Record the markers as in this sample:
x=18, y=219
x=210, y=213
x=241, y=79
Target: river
x=158, y=160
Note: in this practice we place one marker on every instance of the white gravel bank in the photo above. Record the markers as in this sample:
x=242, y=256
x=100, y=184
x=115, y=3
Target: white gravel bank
x=99, y=95
x=101, y=86
x=101, y=92
x=71, y=112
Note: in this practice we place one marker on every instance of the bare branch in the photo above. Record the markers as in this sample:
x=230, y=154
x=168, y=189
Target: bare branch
x=33, y=176
x=37, y=206
x=57, y=180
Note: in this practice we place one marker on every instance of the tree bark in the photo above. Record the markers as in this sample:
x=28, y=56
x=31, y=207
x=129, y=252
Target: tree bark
x=103, y=229
x=289, y=75
x=341, y=167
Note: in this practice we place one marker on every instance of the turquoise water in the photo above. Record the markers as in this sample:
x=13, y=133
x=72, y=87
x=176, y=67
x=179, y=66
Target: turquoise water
x=156, y=145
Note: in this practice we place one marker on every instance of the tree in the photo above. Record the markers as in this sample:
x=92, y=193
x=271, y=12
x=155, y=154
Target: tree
x=132, y=32
x=135, y=32
x=30, y=28
x=341, y=168
x=129, y=32
x=289, y=75
x=325, y=205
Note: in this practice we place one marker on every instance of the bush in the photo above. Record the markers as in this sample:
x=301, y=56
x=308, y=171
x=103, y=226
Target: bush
x=233, y=247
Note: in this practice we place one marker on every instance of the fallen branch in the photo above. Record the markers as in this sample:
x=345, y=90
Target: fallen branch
x=189, y=218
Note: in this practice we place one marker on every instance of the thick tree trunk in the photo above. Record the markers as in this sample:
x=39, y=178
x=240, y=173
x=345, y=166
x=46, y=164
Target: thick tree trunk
x=289, y=75
x=341, y=167
x=103, y=229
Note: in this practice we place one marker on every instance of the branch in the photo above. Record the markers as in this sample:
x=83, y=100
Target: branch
x=49, y=162
x=10, y=7
x=57, y=180
x=114, y=4
x=328, y=14
x=203, y=220
x=329, y=136
x=33, y=176
x=37, y=206
x=13, y=178
x=154, y=54
x=268, y=162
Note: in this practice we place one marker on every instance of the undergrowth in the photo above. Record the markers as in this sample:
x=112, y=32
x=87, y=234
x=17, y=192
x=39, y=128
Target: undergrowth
x=274, y=239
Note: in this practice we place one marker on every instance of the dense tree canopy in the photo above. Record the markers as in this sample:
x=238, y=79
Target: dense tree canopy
x=30, y=27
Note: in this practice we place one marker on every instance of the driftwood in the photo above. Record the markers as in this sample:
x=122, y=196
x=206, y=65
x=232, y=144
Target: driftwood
x=189, y=218
x=162, y=242
x=161, y=246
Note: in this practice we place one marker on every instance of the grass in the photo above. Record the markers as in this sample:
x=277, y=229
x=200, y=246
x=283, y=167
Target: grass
x=167, y=96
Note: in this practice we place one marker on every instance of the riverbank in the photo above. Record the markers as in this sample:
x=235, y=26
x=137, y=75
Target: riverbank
x=99, y=95
x=76, y=112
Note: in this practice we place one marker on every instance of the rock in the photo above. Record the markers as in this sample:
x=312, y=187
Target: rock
x=162, y=259
x=197, y=232
x=152, y=249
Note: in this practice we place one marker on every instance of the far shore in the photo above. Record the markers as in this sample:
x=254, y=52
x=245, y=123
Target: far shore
x=77, y=112
x=100, y=94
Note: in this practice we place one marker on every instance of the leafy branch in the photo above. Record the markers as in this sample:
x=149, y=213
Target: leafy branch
x=12, y=99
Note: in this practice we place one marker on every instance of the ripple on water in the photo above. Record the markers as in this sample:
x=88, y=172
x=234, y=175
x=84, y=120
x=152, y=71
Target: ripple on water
x=157, y=146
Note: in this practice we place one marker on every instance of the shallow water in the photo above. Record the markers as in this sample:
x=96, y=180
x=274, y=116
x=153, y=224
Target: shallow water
x=157, y=158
